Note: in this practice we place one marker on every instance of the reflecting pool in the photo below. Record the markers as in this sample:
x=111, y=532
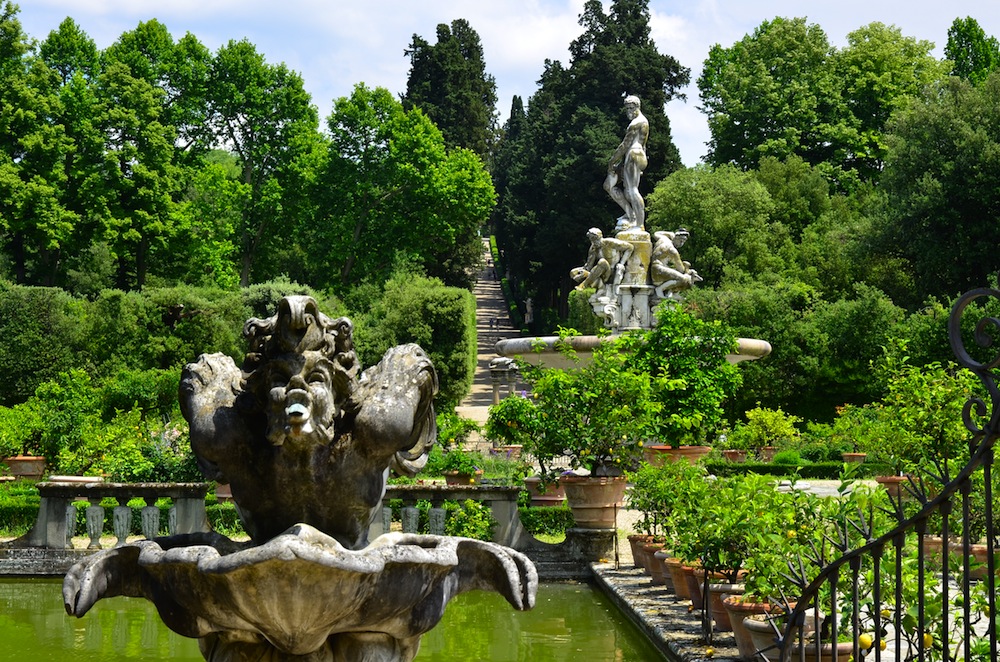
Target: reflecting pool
x=568, y=620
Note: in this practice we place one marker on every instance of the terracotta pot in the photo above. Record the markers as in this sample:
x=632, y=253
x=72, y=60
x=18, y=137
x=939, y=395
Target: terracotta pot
x=734, y=455
x=767, y=453
x=896, y=486
x=676, y=569
x=654, y=567
x=458, y=478
x=854, y=458
x=635, y=542
x=594, y=500
x=223, y=492
x=979, y=554
x=933, y=551
x=762, y=636
x=26, y=466
x=844, y=651
x=694, y=586
x=554, y=494
x=716, y=592
x=657, y=455
x=660, y=558
x=737, y=610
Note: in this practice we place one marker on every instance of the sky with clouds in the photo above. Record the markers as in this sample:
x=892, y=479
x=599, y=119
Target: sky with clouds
x=335, y=45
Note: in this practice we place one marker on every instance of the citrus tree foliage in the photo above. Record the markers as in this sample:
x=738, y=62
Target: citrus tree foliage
x=973, y=53
x=554, y=156
x=448, y=81
x=390, y=187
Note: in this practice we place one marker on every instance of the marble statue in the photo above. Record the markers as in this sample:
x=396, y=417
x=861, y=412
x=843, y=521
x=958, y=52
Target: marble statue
x=605, y=266
x=306, y=440
x=626, y=166
x=632, y=274
x=669, y=273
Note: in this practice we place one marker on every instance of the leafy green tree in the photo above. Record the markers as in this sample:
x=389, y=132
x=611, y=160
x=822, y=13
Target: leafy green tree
x=973, y=54
x=448, y=81
x=940, y=180
x=555, y=156
x=34, y=220
x=773, y=94
x=727, y=212
x=262, y=113
x=880, y=71
x=139, y=170
x=390, y=188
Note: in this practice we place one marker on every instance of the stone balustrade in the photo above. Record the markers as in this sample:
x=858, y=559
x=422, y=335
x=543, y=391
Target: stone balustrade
x=502, y=502
x=56, y=523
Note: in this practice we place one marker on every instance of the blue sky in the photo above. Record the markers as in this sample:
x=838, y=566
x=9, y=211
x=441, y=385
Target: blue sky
x=336, y=44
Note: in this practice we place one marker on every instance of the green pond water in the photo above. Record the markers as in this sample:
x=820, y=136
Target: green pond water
x=568, y=621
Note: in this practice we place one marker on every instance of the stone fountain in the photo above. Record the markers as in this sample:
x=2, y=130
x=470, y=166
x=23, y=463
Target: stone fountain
x=306, y=440
x=632, y=273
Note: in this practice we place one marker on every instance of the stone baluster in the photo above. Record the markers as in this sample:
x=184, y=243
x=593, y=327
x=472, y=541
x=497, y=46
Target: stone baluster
x=386, y=519
x=411, y=519
x=70, y=524
x=172, y=520
x=150, y=518
x=95, y=522
x=435, y=520
x=122, y=516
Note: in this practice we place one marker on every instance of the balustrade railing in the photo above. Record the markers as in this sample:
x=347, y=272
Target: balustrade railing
x=57, y=516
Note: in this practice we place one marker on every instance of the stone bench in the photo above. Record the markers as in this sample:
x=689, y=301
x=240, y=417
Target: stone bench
x=56, y=522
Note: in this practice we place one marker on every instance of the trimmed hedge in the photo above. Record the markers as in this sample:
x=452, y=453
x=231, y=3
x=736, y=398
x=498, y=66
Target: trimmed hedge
x=816, y=470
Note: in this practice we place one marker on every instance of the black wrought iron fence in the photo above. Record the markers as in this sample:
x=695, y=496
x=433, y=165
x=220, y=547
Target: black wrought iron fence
x=915, y=577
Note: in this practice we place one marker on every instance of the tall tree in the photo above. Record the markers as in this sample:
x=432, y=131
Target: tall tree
x=773, y=94
x=941, y=178
x=448, y=81
x=973, y=54
x=34, y=220
x=553, y=168
x=879, y=72
x=391, y=189
x=262, y=113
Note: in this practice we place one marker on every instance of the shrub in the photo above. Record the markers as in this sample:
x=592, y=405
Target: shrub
x=764, y=427
x=470, y=520
x=789, y=456
x=442, y=320
x=43, y=329
x=550, y=521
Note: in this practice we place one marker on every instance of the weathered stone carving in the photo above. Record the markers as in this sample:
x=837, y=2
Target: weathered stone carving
x=631, y=274
x=626, y=166
x=306, y=444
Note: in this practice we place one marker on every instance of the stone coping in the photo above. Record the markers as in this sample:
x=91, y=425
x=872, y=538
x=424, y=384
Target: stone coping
x=542, y=349
x=662, y=616
x=75, y=489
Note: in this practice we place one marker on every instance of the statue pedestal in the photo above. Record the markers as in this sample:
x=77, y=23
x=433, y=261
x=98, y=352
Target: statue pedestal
x=634, y=311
